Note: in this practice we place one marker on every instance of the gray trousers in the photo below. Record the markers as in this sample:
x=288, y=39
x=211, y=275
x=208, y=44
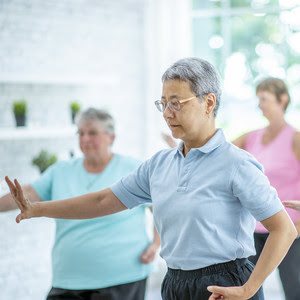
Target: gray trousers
x=289, y=269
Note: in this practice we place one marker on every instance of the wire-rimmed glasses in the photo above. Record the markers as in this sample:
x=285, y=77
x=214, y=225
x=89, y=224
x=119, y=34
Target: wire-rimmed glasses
x=173, y=104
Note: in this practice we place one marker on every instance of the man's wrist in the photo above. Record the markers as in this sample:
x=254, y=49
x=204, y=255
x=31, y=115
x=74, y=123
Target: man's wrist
x=37, y=210
x=249, y=291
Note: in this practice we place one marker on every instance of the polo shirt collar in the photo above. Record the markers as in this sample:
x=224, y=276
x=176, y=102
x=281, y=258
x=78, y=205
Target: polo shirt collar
x=217, y=140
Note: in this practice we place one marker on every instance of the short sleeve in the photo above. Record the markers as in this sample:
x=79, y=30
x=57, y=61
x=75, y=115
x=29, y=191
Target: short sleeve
x=134, y=189
x=43, y=185
x=253, y=189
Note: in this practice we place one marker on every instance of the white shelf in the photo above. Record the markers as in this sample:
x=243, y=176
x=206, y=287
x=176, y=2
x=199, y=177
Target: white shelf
x=29, y=133
x=59, y=80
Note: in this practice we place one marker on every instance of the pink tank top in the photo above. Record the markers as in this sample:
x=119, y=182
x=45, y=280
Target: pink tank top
x=280, y=164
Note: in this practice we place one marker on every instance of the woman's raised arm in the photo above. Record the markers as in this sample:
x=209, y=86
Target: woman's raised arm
x=86, y=206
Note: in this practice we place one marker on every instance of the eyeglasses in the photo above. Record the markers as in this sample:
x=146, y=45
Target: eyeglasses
x=174, y=104
x=90, y=133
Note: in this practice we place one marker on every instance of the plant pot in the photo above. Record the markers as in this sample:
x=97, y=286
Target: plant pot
x=73, y=116
x=20, y=120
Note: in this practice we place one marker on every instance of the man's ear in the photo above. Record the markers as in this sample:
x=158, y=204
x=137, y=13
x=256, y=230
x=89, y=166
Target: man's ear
x=210, y=102
x=112, y=138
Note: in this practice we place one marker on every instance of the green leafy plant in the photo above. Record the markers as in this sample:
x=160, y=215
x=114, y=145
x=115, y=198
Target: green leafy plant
x=75, y=108
x=44, y=160
x=20, y=107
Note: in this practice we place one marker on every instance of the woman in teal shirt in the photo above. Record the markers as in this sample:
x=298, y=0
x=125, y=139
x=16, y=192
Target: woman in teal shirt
x=104, y=257
x=205, y=194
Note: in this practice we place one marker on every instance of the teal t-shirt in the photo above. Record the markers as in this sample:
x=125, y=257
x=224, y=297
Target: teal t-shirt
x=101, y=252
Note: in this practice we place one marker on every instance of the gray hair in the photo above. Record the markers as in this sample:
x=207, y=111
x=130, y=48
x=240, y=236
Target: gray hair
x=202, y=76
x=91, y=114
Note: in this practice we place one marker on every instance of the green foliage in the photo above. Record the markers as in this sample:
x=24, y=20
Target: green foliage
x=254, y=29
x=75, y=107
x=20, y=107
x=44, y=160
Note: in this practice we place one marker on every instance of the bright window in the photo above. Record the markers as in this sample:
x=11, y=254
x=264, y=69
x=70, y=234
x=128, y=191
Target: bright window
x=248, y=40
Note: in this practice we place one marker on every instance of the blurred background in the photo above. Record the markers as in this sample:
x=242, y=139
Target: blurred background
x=59, y=55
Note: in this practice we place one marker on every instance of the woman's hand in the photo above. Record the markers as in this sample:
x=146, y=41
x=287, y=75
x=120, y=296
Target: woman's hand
x=23, y=203
x=149, y=254
x=227, y=293
x=294, y=204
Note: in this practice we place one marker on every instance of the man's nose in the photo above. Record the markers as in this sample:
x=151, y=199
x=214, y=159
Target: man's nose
x=167, y=113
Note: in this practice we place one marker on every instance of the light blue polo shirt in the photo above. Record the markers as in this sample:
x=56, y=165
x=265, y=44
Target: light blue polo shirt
x=205, y=204
x=101, y=252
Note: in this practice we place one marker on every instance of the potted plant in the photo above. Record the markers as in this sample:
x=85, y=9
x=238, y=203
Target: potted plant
x=20, y=110
x=75, y=108
x=44, y=160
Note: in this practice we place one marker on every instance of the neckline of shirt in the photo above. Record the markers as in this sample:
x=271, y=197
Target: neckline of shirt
x=217, y=140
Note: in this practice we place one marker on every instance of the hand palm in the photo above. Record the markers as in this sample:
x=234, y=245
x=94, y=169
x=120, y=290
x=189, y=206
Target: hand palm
x=17, y=193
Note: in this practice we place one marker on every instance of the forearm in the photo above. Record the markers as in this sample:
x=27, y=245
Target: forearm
x=276, y=247
x=87, y=206
x=7, y=202
x=297, y=225
x=156, y=238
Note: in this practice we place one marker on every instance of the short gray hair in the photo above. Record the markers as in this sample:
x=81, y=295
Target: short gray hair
x=105, y=119
x=202, y=76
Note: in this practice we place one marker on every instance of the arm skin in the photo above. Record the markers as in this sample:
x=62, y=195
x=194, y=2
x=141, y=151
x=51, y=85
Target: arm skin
x=282, y=231
x=296, y=144
x=241, y=141
x=7, y=202
x=282, y=235
x=87, y=206
x=294, y=204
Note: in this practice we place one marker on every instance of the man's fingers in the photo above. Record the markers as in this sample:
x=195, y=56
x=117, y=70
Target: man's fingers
x=19, y=218
x=20, y=194
x=11, y=186
x=14, y=191
x=214, y=289
x=218, y=290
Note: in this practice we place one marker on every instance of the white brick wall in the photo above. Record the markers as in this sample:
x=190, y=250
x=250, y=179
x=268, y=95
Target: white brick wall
x=52, y=52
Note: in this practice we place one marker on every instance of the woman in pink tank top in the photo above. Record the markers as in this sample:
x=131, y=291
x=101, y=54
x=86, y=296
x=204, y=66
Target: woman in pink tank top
x=277, y=148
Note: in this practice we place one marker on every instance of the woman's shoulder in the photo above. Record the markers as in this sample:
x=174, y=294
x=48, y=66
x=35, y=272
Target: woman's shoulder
x=242, y=140
x=237, y=159
x=63, y=166
x=68, y=163
x=127, y=160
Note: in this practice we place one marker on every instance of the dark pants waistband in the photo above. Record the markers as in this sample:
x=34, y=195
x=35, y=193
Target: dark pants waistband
x=213, y=269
